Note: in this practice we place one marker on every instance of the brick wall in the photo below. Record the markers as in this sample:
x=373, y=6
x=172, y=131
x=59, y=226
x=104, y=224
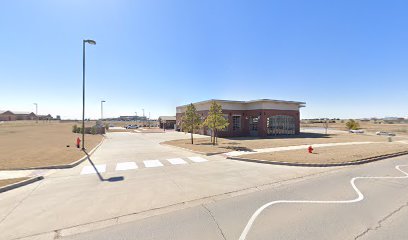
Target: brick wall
x=263, y=115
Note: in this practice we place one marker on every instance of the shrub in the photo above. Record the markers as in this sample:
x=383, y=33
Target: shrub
x=106, y=126
x=94, y=130
x=352, y=125
x=79, y=130
x=75, y=128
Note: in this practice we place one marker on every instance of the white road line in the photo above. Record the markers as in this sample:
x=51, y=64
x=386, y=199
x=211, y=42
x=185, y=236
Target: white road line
x=198, y=159
x=126, y=166
x=152, y=163
x=360, y=197
x=176, y=161
x=90, y=169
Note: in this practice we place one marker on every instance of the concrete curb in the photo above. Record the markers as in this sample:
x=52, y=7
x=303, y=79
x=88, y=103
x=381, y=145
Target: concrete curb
x=186, y=149
x=63, y=166
x=20, y=184
x=294, y=164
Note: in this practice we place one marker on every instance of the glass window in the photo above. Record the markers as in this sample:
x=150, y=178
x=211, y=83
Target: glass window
x=236, y=123
x=281, y=125
x=253, y=123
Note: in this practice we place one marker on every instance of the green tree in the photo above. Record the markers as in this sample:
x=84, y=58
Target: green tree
x=215, y=121
x=352, y=125
x=191, y=121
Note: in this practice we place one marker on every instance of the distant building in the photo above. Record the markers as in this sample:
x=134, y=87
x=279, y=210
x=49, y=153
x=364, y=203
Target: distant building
x=20, y=115
x=264, y=117
x=7, y=116
x=132, y=118
x=45, y=117
x=167, y=122
x=16, y=115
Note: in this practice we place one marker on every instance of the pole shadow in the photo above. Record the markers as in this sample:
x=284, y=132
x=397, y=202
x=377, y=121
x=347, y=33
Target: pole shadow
x=111, y=179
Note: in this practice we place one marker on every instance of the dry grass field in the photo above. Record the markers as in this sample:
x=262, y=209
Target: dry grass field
x=248, y=144
x=399, y=129
x=325, y=155
x=28, y=144
x=5, y=182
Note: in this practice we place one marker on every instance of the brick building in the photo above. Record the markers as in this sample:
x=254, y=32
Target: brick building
x=264, y=117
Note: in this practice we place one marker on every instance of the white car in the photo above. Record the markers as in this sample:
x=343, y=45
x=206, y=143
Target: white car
x=381, y=133
x=132, y=127
x=357, y=131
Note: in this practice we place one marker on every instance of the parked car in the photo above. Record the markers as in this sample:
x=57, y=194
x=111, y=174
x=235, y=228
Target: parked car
x=357, y=131
x=382, y=133
x=132, y=127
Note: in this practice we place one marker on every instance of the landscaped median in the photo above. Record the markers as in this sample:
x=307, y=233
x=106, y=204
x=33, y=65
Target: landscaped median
x=329, y=156
x=332, y=149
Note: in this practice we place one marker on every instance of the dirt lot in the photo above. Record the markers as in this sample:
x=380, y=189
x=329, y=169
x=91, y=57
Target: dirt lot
x=27, y=144
x=399, y=129
x=336, y=154
x=248, y=144
x=5, y=182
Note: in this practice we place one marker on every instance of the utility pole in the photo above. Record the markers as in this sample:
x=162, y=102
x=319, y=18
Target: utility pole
x=102, y=109
x=36, y=112
x=144, y=122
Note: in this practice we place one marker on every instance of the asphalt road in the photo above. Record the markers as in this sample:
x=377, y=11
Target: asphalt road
x=74, y=200
x=380, y=212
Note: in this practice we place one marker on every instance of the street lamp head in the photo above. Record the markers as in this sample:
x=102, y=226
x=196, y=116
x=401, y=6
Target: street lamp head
x=90, y=41
x=103, y=101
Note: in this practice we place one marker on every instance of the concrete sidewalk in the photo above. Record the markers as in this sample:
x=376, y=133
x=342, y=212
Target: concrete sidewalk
x=7, y=174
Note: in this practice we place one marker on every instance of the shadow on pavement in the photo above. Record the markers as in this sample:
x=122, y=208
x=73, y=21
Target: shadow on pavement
x=111, y=179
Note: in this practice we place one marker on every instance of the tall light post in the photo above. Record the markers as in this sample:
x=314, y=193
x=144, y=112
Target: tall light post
x=102, y=109
x=36, y=111
x=83, y=88
x=144, y=122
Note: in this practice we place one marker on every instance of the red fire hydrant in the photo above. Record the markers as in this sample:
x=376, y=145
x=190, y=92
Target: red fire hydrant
x=310, y=149
x=78, y=142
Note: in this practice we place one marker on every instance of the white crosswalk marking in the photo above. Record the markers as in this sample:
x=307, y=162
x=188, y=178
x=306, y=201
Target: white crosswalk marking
x=90, y=169
x=198, y=159
x=152, y=163
x=126, y=166
x=176, y=161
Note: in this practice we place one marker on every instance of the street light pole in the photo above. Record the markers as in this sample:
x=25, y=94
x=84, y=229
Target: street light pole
x=83, y=89
x=102, y=109
x=36, y=111
x=144, y=122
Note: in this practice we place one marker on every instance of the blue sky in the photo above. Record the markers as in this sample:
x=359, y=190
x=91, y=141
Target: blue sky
x=345, y=59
